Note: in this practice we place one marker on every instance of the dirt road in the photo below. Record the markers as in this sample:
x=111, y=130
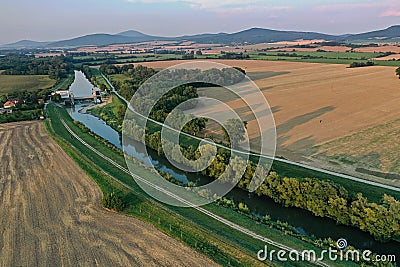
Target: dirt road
x=50, y=213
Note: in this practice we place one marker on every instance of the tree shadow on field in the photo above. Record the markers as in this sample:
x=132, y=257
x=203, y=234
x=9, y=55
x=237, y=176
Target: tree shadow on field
x=302, y=147
x=255, y=76
x=302, y=119
x=246, y=113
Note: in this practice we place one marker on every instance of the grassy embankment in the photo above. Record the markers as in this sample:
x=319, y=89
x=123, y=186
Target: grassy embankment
x=219, y=242
x=64, y=84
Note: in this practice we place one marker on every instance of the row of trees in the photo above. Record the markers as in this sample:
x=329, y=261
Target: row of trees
x=232, y=55
x=18, y=64
x=326, y=199
x=21, y=115
x=361, y=64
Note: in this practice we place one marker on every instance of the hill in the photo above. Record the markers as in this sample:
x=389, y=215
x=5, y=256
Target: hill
x=25, y=44
x=392, y=32
x=250, y=36
x=259, y=35
x=101, y=39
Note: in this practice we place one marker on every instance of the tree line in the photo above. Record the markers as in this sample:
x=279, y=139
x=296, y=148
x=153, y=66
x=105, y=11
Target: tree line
x=135, y=77
x=18, y=64
x=361, y=64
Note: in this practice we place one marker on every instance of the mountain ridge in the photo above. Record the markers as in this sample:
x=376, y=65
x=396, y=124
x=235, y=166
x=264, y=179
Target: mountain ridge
x=249, y=36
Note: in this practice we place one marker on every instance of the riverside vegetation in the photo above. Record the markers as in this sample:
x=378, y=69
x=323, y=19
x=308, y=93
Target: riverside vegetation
x=322, y=197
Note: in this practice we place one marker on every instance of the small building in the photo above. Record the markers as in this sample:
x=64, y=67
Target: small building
x=10, y=104
x=63, y=93
x=96, y=92
x=40, y=101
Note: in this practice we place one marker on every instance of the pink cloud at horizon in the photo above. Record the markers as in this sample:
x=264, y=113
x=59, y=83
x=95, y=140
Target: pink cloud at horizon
x=391, y=13
x=366, y=5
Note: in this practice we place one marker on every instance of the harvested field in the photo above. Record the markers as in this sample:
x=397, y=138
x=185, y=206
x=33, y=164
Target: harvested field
x=346, y=100
x=379, y=49
x=377, y=147
x=300, y=42
x=317, y=103
x=314, y=49
x=50, y=213
x=391, y=57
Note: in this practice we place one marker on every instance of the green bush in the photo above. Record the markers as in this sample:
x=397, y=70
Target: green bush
x=113, y=201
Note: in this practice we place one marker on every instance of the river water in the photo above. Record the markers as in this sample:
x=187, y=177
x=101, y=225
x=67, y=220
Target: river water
x=305, y=222
x=81, y=87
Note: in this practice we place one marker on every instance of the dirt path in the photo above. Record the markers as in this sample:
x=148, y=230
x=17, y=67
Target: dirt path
x=50, y=213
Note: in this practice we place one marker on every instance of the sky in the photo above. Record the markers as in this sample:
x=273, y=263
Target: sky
x=50, y=20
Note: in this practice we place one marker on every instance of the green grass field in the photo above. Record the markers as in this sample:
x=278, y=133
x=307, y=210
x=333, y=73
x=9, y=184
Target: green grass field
x=226, y=246
x=12, y=83
x=118, y=78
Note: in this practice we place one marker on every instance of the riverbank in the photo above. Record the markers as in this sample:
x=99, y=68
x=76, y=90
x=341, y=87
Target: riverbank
x=141, y=206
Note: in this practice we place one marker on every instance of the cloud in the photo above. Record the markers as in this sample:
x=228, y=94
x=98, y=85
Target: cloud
x=207, y=4
x=391, y=13
x=346, y=6
x=252, y=9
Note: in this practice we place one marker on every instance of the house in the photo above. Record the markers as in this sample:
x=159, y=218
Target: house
x=40, y=101
x=63, y=93
x=10, y=104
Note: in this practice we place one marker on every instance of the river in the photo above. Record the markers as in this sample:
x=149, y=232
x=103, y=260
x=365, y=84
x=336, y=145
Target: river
x=81, y=87
x=304, y=221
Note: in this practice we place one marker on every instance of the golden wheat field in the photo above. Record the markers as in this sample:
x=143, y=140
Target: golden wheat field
x=50, y=212
x=314, y=103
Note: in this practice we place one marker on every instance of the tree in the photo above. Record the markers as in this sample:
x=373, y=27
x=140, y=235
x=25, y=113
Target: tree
x=240, y=69
x=234, y=131
x=113, y=201
x=398, y=72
